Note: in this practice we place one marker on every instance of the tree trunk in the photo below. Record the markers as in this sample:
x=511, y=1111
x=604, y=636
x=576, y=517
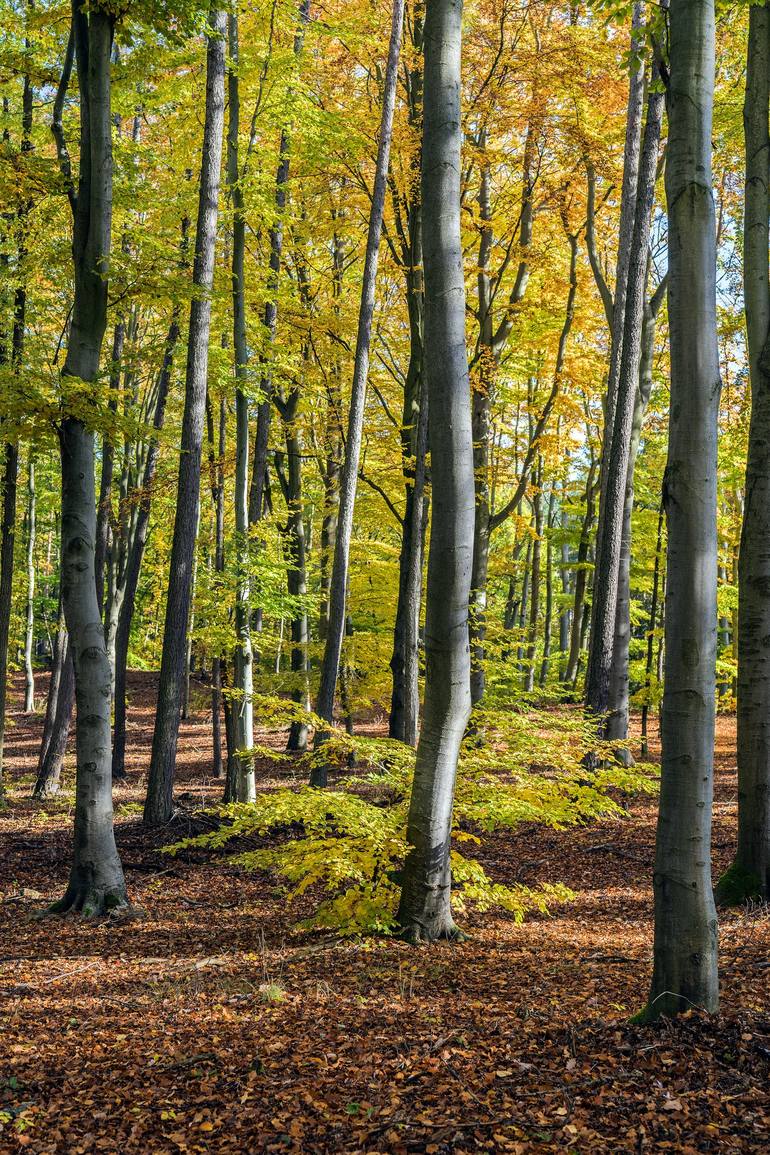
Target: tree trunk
x=243, y=664
x=685, y=953
x=29, y=632
x=654, y=602
x=581, y=579
x=749, y=875
x=413, y=584
x=96, y=885
x=103, y=509
x=548, y=624
x=407, y=211
x=615, y=306
x=617, y=702
x=348, y=481
x=158, y=805
x=414, y=442
x=10, y=479
x=7, y=542
x=615, y=474
x=534, y=606
x=265, y=406
x=425, y=908
x=136, y=550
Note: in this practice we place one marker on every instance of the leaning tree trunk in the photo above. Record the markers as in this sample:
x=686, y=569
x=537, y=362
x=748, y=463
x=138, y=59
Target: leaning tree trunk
x=685, y=953
x=749, y=875
x=425, y=907
x=158, y=805
x=96, y=883
x=348, y=481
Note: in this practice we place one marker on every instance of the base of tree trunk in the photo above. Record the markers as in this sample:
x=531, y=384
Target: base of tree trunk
x=92, y=901
x=738, y=885
x=417, y=934
x=45, y=791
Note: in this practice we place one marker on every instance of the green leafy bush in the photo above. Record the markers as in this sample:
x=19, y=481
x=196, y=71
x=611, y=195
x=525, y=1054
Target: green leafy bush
x=350, y=842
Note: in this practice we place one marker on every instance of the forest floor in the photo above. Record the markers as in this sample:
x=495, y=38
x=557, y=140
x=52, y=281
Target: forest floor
x=209, y=1025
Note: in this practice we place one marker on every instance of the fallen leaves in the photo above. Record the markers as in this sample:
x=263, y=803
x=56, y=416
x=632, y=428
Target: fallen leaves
x=157, y=1035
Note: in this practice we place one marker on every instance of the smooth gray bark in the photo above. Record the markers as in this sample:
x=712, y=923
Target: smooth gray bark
x=749, y=876
x=617, y=447
x=158, y=805
x=582, y=563
x=136, y=551
x=407, y=211
x=29, y=628
x=243, y=663
x=618, y=694
x=615, y=305
x=7, y=545
x=349, y=478
x=425, y=907
x=685, y=951
x=652, y=627
x=96, y=885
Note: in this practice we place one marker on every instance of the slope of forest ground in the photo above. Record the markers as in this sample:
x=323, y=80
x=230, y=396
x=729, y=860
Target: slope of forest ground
x=210, y=1025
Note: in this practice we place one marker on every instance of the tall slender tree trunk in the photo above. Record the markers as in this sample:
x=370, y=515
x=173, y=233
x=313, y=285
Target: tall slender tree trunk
x=534, y=608
x=136, y=550
x=96, y=883
x=615, y=306
x=404, y=662
x=10, y=476
x=413, y=582
x=29, y=630
x=581, y=579
x=158, y=805
x=265, y=406
x=349, y=478
x=685, y=953
x=425, y=906
x=414, y=441
x=243, y=663
x=104, y=510
x=749, y=876
x=615, y=473
x=618, y=695
x=653, y=625
x=7, y=544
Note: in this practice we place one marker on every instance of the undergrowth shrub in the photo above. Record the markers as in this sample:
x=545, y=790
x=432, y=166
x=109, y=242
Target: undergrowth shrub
x=519, y=767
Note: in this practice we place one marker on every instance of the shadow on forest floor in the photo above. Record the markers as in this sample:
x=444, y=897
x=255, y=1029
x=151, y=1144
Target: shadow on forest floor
x=210, y=1025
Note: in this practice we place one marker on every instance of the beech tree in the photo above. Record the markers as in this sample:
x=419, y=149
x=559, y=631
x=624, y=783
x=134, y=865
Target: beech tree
x=96, y=885
x=349, y=476
x=160, y=783
x=685, y=950
x=425, y=910
x=621, y=403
